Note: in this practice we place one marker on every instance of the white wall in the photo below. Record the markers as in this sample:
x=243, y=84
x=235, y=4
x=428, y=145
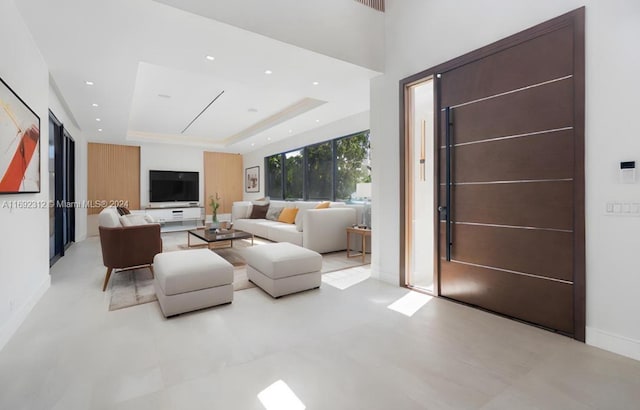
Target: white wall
x=58, y=108
x=24, y=241
x=345, y=126
x=343, y=29
x=418, y=37
x=166, y=157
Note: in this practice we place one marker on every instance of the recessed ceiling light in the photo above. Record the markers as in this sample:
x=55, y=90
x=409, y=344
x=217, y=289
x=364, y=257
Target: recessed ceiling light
x=94, y=105
x=99, y=129
x=88, y=82
x=98, y=119
x=267, y=72
x=253, y=144
x=290, y=131
x=317, y=120
x=316, y=83
x=268, y=138
x=210, y=58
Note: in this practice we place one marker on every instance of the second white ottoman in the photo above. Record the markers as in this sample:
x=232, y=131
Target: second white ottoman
x=283, y=268
x=191, y=279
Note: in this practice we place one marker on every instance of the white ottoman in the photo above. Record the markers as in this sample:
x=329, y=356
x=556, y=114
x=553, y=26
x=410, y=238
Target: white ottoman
x=283, y=268
x=191, y=280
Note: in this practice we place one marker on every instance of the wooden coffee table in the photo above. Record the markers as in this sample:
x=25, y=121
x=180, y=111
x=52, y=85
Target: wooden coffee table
x=223, y=238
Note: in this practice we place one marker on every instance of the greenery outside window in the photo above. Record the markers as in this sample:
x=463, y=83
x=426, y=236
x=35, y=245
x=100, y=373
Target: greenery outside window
x=328, y=170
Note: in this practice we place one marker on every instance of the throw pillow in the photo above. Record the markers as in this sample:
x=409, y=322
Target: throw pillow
x=123, y=211
x=259, y=211
x=323, y=205
x=261, y=201
x=274, y=213
x=288, y=215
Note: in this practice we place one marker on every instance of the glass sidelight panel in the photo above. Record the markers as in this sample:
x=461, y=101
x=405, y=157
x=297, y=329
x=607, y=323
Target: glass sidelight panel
x=419, y=189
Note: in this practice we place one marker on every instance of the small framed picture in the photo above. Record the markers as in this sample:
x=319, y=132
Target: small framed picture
x=252, y=179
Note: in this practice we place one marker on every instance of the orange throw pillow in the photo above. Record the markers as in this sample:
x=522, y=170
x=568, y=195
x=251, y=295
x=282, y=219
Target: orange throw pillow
x=288, y=215
x=323, y=205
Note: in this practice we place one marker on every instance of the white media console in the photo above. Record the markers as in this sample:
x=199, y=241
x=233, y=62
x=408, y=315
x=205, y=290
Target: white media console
x=177, y=219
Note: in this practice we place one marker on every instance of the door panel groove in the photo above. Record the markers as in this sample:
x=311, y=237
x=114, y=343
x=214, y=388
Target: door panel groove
x=527, y=134
x=524, y=181
x=514, y=227
x=528, y=87
x=511, y=271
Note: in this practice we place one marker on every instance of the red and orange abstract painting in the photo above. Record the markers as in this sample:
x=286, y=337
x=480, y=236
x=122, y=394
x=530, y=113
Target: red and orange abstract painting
x=19, y=144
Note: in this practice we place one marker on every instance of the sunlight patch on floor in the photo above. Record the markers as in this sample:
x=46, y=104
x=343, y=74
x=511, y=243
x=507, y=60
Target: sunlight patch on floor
x=279, y=396
x=410, y=303
x=344, y=279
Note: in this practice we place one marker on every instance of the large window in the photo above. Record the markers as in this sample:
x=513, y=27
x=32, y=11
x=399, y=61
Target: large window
x=320, y=171
x=273, y=165
x=293, y=182
x=329, y=170
x=352, y=164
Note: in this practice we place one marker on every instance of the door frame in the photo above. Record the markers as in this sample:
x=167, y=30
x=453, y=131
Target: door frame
x=575, y=19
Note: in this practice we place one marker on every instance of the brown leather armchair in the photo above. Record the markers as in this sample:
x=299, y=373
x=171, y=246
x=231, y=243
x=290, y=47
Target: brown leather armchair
x=129, y=247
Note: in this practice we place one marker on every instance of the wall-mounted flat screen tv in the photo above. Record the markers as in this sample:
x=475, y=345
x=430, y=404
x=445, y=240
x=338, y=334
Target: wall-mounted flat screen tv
x=173, y=186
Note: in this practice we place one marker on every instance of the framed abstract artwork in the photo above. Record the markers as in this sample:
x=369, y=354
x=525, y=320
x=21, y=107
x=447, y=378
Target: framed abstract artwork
x=252, y=179
x=19, y=144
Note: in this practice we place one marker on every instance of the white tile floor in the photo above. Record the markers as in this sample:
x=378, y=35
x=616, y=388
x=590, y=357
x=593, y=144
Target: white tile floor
x=335, y=349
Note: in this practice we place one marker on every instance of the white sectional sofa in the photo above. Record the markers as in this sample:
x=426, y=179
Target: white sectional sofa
x=321, y=230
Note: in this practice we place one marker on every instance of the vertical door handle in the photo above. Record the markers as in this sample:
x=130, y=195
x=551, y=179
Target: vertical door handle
x=448, y=153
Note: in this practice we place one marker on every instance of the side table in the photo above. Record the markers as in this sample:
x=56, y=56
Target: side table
x=364, y=233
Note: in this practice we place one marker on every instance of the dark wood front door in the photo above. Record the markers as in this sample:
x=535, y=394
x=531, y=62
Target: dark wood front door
x=512, y=177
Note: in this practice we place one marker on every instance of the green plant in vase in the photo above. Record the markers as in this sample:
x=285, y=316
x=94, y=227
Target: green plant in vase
x=214, y=203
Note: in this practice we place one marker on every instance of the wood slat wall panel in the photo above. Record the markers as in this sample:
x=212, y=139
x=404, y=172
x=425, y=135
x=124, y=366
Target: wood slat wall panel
x=544, y=156
x=540, y=59
x=113, y=175
x=223, y=174
x=536, y=109
x=535, y=300
x=534, y=204
x=538, y=252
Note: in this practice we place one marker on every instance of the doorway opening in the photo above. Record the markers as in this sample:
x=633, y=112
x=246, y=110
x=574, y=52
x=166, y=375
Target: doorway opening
x=419, y=233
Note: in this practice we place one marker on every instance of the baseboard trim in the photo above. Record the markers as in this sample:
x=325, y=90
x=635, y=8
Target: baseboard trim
x=622, y=345
x=14, y=322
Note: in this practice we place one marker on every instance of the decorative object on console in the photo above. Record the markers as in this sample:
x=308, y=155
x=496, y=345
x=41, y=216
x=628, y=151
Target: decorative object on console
x=363, y=191
x=19, y=144
x=252, y=179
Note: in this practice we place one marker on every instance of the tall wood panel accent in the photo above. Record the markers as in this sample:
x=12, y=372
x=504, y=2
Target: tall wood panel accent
x=223, y=175
x=113, y=175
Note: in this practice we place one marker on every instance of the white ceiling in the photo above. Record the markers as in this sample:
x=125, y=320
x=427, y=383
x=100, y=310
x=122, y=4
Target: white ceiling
x=136, y=50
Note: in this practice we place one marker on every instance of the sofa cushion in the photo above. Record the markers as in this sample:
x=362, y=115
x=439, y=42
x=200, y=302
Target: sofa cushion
x=288, y=215
x=109, y=218
x=259, y=211
x=240, y=210
x=303, y=206
x=285, y=233
x=133, y=220
x=323, y=205
x=274, y=212
x=258, y=227
x=282, y=260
